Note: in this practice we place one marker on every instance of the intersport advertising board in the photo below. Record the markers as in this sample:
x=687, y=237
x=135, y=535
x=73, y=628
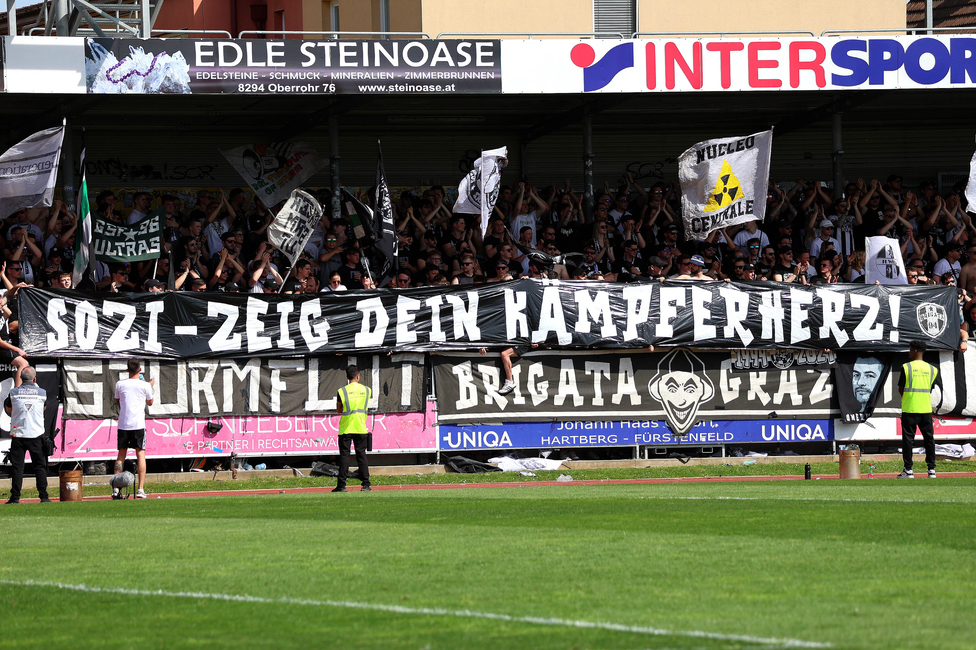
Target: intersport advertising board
x=738, y=64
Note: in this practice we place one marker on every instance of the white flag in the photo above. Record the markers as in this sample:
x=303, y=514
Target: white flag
x=29, y=171
x=883, y=262
x=273, y=170
x=723, y=182
x=294, y=223
x=971, y=186
x=478, y=184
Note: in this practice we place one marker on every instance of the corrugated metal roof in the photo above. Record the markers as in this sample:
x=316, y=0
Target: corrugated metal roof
x=945, y=13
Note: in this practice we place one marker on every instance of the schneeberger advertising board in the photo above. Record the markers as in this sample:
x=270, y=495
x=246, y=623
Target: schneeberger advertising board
x=296, y=67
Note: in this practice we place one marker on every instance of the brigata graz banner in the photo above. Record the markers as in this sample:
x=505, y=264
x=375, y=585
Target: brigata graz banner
x=231, y=387
x=680, y=386
x=302, y=67
x=65, y=323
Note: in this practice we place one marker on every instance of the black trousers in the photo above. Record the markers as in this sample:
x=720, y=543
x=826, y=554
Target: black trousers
x=18, y=452
x=359, y=439
x=924, y=423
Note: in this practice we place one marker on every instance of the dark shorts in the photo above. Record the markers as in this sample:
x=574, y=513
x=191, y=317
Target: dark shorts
x=132, y=438
x=7, y=356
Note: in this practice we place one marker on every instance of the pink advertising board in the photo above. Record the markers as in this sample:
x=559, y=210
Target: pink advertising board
x=249, y=436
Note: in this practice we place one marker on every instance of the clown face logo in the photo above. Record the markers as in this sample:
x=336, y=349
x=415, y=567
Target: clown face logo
x=681, y=386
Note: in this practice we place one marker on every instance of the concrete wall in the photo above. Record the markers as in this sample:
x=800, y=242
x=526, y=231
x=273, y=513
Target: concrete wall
x=506, y=16
x=768, y=15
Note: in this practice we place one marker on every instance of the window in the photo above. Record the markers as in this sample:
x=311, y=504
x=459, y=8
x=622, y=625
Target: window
x=334, y=19
x=617, y=16
x=279, y=21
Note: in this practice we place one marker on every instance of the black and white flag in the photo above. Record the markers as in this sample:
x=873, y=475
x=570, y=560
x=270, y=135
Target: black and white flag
x=883, y=262
x=293, y=226
x=482, y=182
x=274, y=169
x=971, y=186
x=859, y=378
x=384, y=224
x=141, y=241
x=723, y=182
x=29, y=171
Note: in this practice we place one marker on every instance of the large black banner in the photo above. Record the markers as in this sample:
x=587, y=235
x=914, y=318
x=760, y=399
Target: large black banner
x=65, y=323
x=292, y=66
x=681, y=386
x=230, y=387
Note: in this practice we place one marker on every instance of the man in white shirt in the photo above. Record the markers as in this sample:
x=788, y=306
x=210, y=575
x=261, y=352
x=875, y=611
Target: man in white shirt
x=140, y=207
x=132, y=396
x=749, y=231
x=826, y=236
x=949, y=263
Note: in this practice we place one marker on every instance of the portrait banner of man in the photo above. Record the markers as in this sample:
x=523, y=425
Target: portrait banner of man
x=859, y=379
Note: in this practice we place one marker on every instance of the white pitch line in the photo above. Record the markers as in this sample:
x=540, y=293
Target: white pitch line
x=722, y=498
x=428, y=611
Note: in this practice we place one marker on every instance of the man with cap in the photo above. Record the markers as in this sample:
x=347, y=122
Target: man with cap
x=785, y=270
x=949, y=263
x=25, y=406
x=629, y=267
x=657, y=268
x=154, y=286
x=352, y=405
x=826, y=235
x=915, y=387
x=692, y=268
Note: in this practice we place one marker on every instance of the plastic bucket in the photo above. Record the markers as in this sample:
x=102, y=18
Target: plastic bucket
x=72, y=484
x=850, y=463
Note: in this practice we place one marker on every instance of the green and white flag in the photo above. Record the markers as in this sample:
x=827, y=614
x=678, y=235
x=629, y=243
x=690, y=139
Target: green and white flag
x=83, y=239
x=137, y=242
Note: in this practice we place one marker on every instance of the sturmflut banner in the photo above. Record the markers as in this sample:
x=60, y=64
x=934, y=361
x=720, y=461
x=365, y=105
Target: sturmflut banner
x=292, y=66
x=723, y=182
x=238, y=387
x=113, y=242
x=571, y=314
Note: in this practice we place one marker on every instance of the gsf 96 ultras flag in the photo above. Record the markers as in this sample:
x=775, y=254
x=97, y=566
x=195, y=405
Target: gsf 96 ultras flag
x=723, y=182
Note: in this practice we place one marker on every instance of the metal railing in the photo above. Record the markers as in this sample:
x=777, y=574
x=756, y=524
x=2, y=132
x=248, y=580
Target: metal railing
x=218, y=32
x=531, y=35
x=908, y=31
x=333, y=34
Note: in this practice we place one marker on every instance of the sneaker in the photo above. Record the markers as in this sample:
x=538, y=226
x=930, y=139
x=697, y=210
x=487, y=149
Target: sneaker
x=931, y=473
x=45, y=500
x=12, y=500
x=507, y=387
x=116, y=493
x=365, y=488
x=906, y=473
x=340, y=489
x=141, y=494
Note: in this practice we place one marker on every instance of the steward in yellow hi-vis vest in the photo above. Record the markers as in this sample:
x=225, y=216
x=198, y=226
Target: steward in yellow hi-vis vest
x=352, y=405
x=916, y=383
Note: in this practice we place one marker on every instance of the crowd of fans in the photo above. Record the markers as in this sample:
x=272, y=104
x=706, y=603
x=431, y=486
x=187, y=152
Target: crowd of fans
x=633, y=233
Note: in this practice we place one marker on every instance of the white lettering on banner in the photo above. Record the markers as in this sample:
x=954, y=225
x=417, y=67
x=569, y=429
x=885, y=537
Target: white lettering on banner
x=86, y=325
x=773, y=315
x=314, y=402
x=638, y=298
x=285, y=342
x=251, y=373
x=372, y=308
x=436, y=333
x=465, y=320
x=225, y=339
x=161, y=407
x=277, y=385
x=517, y=397
x=577, y=441
x=56, y=311
x=822, y=388
x=406, y=317
x=316, y=334
x=254, y=326
x=788, y=386
x=552, y=319
x=868, y=329
x=799, y=300
x=599, y=370
x=593, y=307
x=736, y=311
x=477, y=439
x=154, y=309
x=670, y=298
x=727, y=382
x=626, y=385
x=567, y=384
x=757, y=383
x=491, y=380
x=700, y=301
x=94, y=388
x=792, y=433
x=539, y=390
x=833, y=312
x=204, y=385
x=467, y=391
x=516, y=323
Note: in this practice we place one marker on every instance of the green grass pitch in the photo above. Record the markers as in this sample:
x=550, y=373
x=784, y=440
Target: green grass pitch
x=841, y=564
